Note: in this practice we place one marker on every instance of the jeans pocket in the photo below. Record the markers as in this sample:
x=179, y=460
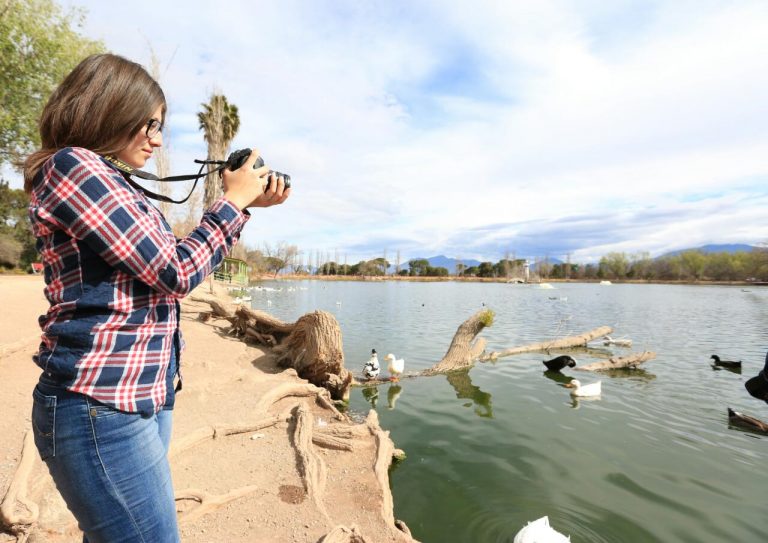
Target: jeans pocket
x=44, y=423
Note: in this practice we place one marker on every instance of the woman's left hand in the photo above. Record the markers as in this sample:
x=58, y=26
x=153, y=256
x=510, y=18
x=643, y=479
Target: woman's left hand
x=275, y=194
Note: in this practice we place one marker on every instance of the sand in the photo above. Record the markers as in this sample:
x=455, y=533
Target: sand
x=286, y=482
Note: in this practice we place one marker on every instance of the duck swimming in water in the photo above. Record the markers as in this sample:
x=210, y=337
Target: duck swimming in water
x=539, y=531
x=371, y=368
x=559, y=362
x=733, y=364
x=745, y=421
x=584, y=391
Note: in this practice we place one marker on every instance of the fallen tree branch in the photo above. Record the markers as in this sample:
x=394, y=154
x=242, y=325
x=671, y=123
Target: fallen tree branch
x=630, y=361
x=547, y=346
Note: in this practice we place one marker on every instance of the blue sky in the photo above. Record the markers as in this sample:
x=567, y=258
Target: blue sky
x=473, y=129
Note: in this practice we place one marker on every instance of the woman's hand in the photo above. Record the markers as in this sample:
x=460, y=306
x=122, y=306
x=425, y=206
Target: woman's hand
x=245, y=185
x=275, y=194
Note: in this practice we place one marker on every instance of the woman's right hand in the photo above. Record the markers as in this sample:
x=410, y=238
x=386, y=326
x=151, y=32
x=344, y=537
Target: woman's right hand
x=245, y=184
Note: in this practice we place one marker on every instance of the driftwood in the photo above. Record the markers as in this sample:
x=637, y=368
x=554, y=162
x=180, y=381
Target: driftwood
x=547, y=346
x=629, y=361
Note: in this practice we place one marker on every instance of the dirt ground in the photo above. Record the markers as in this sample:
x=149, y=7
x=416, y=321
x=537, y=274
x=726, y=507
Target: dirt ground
x=256, y=454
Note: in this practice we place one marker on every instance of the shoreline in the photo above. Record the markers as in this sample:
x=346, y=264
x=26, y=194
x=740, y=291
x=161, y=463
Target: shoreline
x=255, y=456
x=417, y=279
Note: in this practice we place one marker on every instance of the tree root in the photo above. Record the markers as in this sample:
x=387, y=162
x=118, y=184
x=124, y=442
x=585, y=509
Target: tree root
x=212, y=432
x=209, y=502
x=630, y=361
x=18, y=513
x=312, y=469
x=301, y=390
x=217, y=306
x=331, y=442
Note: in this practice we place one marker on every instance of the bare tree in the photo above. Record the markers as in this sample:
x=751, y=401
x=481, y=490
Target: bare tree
x=280, y=256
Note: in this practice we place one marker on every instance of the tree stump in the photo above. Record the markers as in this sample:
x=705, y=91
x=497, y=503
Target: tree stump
x=464, y=350
x=312, y=346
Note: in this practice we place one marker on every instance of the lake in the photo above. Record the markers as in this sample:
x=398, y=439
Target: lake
x=653, y=459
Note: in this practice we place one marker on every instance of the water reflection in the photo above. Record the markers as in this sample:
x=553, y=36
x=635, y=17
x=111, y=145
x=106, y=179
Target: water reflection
x=638, y=374
x=393, y=393
x=557, y=377
x=371, y=395
x=462, y=384
x=726, y=368
x=575, y=400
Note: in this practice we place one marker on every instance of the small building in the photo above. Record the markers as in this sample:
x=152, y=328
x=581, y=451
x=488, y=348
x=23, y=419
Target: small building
x=36, y=268
x=232, y=271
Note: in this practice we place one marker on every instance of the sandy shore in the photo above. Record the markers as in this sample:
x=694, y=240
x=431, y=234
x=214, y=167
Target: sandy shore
x=279, y=468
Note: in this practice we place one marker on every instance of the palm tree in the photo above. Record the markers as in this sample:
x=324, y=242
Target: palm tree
x=219, y=122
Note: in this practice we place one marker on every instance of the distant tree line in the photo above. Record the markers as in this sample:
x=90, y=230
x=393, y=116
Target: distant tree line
x=17, y=251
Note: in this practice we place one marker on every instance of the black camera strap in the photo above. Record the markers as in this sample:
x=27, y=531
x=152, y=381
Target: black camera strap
x=128, y=171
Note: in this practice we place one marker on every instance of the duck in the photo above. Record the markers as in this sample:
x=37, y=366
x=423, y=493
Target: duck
x=395, y=366
x=371, y=368
x=559, y=362
x=608, y=340
x=592, y=389
x=733, y=364
x=745, y=421
x=539, y=531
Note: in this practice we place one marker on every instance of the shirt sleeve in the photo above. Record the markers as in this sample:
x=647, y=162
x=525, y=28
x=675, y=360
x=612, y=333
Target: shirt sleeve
x=90, y=201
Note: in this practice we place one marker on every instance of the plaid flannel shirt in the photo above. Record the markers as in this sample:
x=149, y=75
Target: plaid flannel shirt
x=114, y=273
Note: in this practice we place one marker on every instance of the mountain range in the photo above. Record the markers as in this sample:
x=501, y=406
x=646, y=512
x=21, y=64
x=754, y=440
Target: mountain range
x=450, y=263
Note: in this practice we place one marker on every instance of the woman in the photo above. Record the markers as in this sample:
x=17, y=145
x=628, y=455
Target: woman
x=114, y=273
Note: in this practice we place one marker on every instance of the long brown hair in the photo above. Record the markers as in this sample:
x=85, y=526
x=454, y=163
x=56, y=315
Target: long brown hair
x=100, y=105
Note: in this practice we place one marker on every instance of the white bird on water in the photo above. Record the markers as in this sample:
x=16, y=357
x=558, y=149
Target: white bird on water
x=395, y=366
x=539, y=531
x=584, y=391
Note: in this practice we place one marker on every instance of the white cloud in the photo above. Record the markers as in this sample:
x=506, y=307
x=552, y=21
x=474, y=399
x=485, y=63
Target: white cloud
x=419, y=123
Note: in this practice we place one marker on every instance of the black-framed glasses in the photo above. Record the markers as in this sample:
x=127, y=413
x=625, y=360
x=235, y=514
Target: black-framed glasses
x=154, y=127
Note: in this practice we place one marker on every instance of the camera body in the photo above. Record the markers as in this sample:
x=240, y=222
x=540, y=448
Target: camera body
x=238, y=158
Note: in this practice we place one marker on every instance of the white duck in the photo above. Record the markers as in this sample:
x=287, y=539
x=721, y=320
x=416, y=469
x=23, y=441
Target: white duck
x=371, y=368
x=395, y=366
x=539, y=531
x=592, y=389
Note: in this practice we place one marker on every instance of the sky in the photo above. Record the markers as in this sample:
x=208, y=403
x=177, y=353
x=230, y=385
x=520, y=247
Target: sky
x=475, y=129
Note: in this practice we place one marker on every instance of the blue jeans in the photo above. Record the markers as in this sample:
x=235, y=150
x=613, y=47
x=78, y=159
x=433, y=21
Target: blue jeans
x=110, y=467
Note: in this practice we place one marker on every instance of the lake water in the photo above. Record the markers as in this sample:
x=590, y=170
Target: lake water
x=653, y=459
